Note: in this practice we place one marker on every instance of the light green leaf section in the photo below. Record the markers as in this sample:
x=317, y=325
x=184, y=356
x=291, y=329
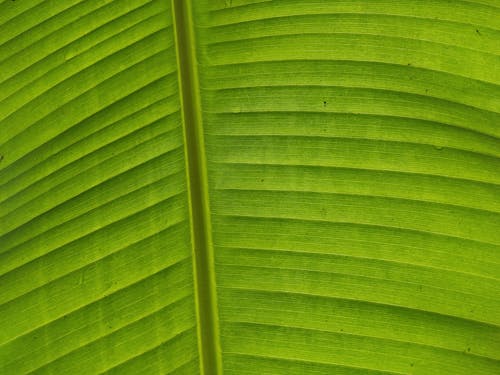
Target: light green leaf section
x=353, y=161
x=250, y=187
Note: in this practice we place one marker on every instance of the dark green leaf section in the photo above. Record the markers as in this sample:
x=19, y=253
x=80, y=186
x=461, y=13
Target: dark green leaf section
x=353, y=156
x=95, y=241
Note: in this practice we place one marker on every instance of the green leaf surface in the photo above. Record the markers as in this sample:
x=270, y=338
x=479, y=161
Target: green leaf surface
x=250, y=187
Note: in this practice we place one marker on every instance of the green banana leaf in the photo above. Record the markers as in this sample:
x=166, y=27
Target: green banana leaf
x=250, y=187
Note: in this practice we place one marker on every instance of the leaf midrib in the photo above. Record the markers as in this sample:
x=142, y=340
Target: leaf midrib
x=203, y=264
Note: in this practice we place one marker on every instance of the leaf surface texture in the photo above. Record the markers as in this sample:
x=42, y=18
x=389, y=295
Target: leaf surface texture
x=250, y=187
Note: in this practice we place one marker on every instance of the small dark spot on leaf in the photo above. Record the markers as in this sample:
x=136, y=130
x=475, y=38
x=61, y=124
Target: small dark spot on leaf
x=341, y=330
x=409, y=64
x=261, y=180
x=468, y=349
x=478, y=32
x=411, y=364
x=324, y=104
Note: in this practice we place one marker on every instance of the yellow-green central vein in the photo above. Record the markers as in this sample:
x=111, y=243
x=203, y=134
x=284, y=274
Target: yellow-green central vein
x=198, y=191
